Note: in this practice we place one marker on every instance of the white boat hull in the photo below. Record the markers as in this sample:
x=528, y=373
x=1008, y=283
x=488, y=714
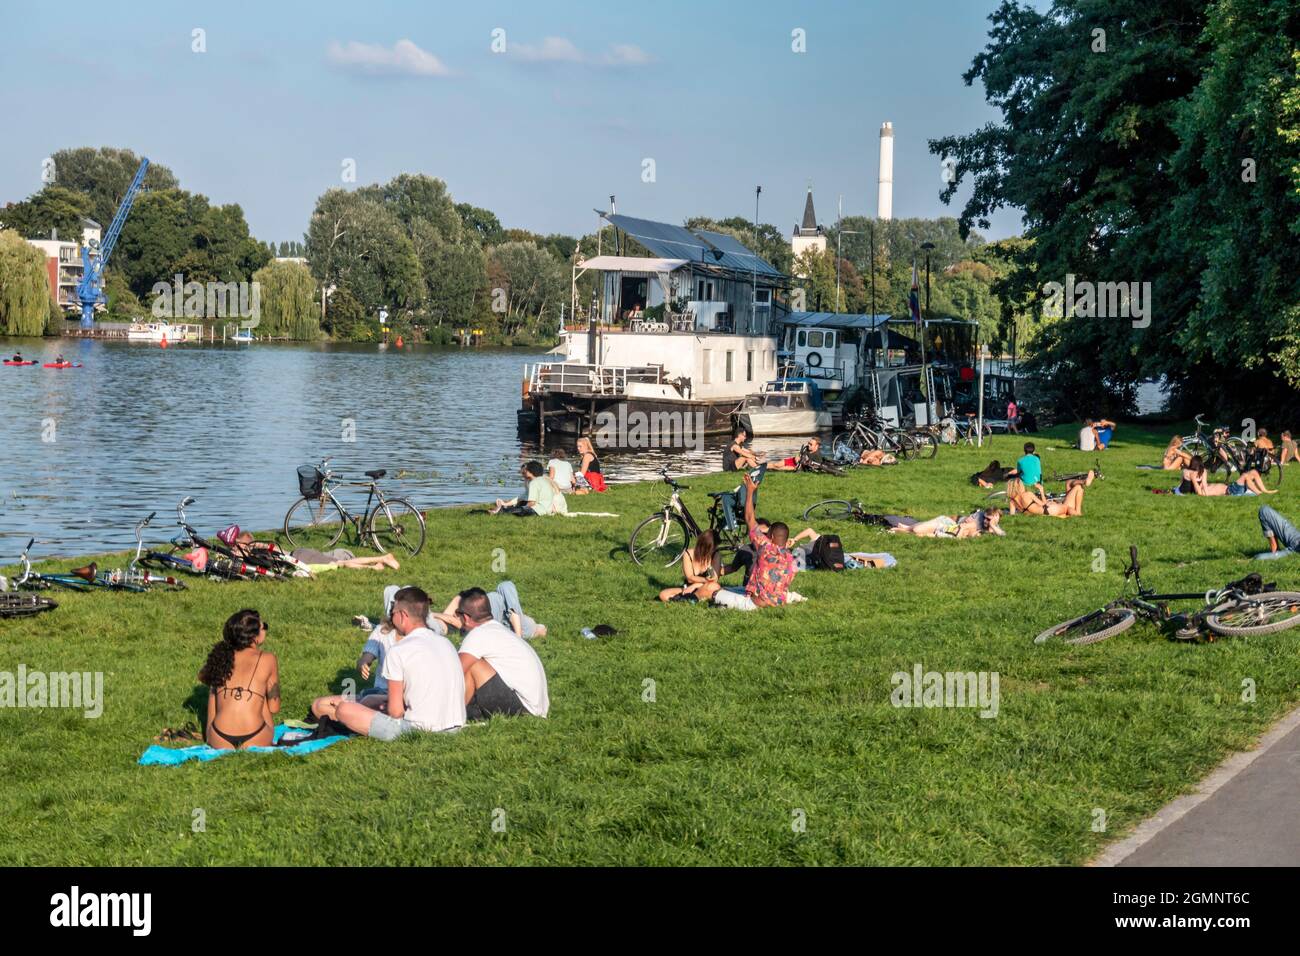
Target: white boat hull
x=802, y=421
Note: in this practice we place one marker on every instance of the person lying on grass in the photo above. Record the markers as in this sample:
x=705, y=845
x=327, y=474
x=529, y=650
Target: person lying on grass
x=988, y=521
x=993, y=474
x=318, y=562
x=541, y=498
x=378, y=644
x=853, y=559
x=876, y=458
x=243, y=684
x=1278, y=531
x=1248, y=482
x=502, y=673
x=506, y=609
x=426, y=686
x=700, y=572
x=769, y=580
x=1021, y=499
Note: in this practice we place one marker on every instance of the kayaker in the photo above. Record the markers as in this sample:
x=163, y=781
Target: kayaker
x=18, y=357
x=58, y=360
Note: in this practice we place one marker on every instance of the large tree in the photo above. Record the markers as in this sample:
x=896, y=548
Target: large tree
x=1148, y=141
x=357, y=243
x=24, y=287
x=55, y=209
x=287, y=296
x=104, y=175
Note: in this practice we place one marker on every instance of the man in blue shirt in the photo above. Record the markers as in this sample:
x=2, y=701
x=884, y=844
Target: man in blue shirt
x=1030, y=468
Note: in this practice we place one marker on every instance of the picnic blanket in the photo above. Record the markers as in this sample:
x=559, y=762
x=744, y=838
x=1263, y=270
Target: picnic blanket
x=171, y=756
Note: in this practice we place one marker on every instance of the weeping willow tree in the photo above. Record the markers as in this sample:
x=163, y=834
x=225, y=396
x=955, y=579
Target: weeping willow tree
x=289, y=305
x=24, y=288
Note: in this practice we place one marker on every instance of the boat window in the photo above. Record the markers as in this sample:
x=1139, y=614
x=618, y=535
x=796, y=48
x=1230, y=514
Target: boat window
x=777, y=401
x=731, y=362
x=749, y=366
x=706, y=360
x=803, y=337
x=830, y=340
x=815, y=339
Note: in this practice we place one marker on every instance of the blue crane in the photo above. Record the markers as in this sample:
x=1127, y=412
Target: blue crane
x=94, y=255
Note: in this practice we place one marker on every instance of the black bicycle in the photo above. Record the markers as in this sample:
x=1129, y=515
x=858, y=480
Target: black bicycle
x=661, y=538
x=1242, y=608
x=316, y=520
x=842, y=509
x=23, y=605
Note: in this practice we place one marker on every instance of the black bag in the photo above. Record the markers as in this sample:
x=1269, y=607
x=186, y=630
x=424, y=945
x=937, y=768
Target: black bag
x=827, y=553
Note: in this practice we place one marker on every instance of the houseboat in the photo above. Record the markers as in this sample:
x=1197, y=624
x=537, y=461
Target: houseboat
x=685, y=330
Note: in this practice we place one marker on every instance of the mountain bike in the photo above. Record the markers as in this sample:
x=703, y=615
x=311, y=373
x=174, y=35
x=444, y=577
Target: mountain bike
x=661, y=538
x=316, y=520
x=1242, y=608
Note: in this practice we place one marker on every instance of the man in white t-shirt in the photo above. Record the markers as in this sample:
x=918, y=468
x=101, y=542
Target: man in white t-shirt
x=1088, y=436
x=560, y=471
x=426, y=686
x=503, y=674
x=381, y=640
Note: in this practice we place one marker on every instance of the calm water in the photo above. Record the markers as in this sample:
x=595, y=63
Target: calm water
x=89, y=451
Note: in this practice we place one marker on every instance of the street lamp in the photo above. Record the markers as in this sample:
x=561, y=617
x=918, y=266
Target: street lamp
x=840, y=232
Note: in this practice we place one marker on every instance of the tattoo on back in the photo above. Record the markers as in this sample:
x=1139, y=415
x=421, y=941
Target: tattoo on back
x=273, y=692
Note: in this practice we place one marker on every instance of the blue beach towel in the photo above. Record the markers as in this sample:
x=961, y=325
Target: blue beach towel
x=171, y=756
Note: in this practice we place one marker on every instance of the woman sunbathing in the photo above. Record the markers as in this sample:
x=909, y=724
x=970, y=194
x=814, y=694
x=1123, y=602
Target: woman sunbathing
x=1248, y=483
x=1175, y=456
x=700, y=567
x=1020, y=498
x=973, y=525
x=243, y=685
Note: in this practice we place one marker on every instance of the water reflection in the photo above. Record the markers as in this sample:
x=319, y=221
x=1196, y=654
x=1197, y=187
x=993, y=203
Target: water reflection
x=89, y=451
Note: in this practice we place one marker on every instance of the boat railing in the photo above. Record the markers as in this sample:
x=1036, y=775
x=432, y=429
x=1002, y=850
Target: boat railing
x=580, y=378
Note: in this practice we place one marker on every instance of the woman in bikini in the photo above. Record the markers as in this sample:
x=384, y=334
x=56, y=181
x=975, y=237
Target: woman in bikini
x=243, y=685
x=973, y=525
x=1175, y=456
x=1020, y=498
x=700, y=567
x=1248, y=482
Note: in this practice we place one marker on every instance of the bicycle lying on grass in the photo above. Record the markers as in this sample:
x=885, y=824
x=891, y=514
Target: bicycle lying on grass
x=23, y=605
x=662, y=537
x=134, y=578
x=840, y=509
x=1242, y=608
x=316, y=520
x=218, y=560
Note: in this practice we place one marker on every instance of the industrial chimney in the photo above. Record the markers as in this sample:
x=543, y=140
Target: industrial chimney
x=885, y=191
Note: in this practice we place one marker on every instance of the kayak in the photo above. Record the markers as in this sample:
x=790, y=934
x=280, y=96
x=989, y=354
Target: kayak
x=63, y=365
x=12, y=362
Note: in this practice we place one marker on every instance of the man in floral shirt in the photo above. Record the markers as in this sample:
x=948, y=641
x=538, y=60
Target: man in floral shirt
x=773, y=567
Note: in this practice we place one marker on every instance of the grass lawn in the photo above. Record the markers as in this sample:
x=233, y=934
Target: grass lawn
x=757, y=720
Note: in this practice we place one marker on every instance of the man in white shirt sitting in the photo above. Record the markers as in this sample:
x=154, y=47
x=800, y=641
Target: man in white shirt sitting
x=426, y=686
x=1088, y=436
x=541, y=498
x=560, y=471
x=503, y=674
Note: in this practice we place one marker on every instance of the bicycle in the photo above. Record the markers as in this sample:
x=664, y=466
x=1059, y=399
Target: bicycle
x=1239, y=609
x=134, y=578
x=841, y=509
x=23, y=605
x=218, y=561
x=867, y=432
x=668, y=532
x=954, y=431
x=1057, y=476
x=316, y=520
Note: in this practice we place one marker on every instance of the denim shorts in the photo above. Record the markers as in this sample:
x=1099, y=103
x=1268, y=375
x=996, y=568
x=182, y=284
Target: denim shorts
x=1237, y=488
x=383, y=727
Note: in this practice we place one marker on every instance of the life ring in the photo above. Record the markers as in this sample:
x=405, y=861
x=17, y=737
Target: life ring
x=814, y=359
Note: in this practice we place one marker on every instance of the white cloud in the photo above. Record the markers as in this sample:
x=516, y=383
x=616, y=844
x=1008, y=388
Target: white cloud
x=562, y=50
x=403, y=58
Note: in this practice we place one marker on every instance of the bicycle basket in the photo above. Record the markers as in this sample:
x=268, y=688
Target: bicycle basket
x=310, y=481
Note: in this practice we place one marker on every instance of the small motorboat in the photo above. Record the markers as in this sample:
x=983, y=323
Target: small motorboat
x=786, y=406
x=242, y=337
x=149, y=332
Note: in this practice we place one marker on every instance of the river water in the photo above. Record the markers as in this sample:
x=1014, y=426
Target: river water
x=89, y=451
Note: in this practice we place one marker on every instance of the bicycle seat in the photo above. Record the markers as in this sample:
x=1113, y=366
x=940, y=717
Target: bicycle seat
x=88, y=573
x=377, y=473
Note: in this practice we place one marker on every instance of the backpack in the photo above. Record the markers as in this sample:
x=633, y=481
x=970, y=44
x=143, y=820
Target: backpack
x=827, y=553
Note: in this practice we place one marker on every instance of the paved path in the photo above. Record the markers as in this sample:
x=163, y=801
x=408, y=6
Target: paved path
x=1245, y=813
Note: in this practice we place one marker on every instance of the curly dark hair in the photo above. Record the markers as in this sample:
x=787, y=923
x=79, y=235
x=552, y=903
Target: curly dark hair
x=241, y=631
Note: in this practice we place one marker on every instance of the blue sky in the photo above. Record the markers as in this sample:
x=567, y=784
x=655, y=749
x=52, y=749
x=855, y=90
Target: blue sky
x=540, y=134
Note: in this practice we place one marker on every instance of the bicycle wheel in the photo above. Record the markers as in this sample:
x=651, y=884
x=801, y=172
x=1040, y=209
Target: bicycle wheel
x=927, y=446
x=832, y=509
x=24, y=605
x=396, y=525
x=851, y=440
x=659, y=540
x=314, y=523
x=1265, y=613
x=904, y=443
x=1090, y=628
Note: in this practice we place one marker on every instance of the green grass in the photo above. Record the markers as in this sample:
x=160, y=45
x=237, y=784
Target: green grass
x=755, y=716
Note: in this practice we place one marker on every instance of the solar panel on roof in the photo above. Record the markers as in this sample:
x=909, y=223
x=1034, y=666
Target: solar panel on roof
x=677, y=242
